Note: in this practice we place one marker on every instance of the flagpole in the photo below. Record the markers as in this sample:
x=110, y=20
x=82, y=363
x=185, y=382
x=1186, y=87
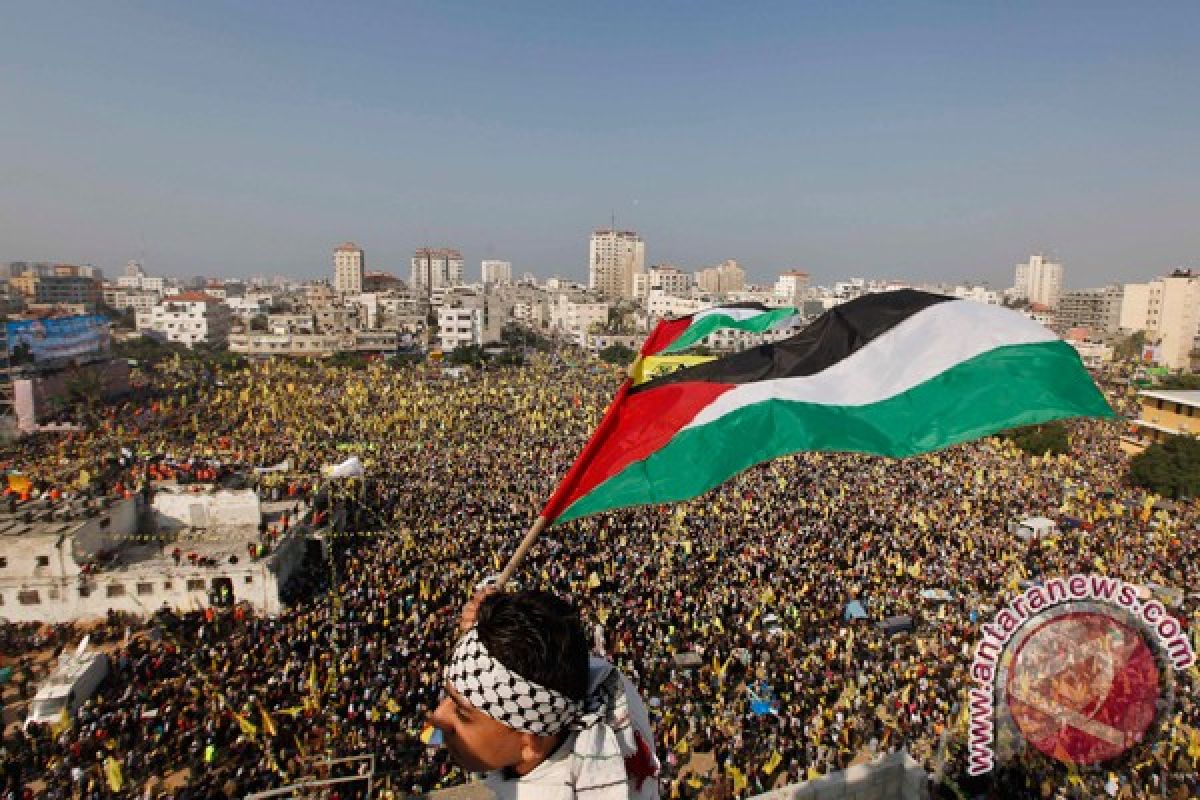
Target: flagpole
x=531, y=535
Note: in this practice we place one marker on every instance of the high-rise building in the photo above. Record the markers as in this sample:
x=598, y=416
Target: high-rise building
x=723, y=278
x=1098, y=310
x=1039, y=281
x=436, y=268
x=792, y=287
x=662, y=278
x=614, y=257
x=496, y=272
x=1168, y=310
x=349, y=265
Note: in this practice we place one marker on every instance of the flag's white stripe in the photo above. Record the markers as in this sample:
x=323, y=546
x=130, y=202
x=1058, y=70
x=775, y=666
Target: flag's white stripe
x=736, y=314
x=918, y=349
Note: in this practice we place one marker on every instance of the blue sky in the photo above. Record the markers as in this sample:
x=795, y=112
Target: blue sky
x=938, y=141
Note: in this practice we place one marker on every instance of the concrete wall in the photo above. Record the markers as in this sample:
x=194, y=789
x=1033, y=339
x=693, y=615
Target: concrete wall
x=140, y=591
x=173, y=511
x=107, y=531
x=892, y=777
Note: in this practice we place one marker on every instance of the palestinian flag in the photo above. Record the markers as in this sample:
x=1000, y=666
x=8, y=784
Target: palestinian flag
x=676, y=335
x=893, y=374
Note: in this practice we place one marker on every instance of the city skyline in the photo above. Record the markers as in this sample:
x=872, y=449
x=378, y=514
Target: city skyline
x=934, y=144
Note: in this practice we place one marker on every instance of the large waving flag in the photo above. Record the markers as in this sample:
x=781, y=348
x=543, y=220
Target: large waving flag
x=892, y=374
x=676, y=335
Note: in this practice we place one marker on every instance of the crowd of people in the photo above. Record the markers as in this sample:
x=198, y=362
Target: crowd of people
x=729, y=612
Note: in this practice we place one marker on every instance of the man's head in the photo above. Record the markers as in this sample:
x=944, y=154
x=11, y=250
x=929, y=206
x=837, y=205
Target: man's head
x=532, y=636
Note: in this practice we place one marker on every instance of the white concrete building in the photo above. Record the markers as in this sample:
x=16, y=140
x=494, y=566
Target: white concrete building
x=495, y=272
x=978, y=294
x=1168, y=310
x=662, y=278
x=436, y=268
x=1097, y=310
x=614, y=257
x=139, y=300
x=1039, y=281
x=459, y=327
x=661, y=305
x=142, y=282
x=73, y=563
x=791, y=287
x=189, y=318
x=349, y=265
x=576, y=317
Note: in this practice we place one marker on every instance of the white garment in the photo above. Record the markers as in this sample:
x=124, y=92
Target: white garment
x=590, y=764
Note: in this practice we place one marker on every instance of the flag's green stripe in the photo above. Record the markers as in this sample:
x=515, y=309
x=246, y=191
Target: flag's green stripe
x=1003, y=388
x=706, y=325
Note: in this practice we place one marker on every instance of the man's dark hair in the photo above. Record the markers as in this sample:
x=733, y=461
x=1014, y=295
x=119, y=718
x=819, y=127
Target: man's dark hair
x=538, y=636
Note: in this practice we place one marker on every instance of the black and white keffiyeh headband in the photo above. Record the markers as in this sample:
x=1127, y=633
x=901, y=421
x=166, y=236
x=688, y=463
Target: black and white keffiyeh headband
x=520, y=704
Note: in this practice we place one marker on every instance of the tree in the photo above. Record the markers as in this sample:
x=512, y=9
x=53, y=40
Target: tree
x=1171, y=469
x=1186, y=382
x=470, y=354
x=1130, y=347
x=1040, y=439
x=346, y=358
x=617, y=354
x=404, y=359
x=84, y=389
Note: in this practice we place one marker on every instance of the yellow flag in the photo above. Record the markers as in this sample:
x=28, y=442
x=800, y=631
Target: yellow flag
x=773, y=762
x=650, y=367
x=112, y=769
x=63, y=723
x=246, y=725
x=740, y=782
x=268, y=724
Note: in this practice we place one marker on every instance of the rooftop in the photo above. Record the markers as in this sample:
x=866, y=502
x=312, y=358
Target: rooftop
x=191, y=297
x=1187, y=397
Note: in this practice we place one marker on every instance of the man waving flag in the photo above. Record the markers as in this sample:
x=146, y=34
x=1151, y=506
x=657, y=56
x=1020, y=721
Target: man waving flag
x=892, y=374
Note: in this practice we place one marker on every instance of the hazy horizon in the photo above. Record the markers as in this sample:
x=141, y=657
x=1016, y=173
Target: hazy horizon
x=929, y=142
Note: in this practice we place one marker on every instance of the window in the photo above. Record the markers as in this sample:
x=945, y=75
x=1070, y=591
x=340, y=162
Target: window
x=3, y=562
x=52, y=593
x=28, y=597
x=145, y=588
x=249, y=579
x=43, y=561
x=168, y=586
x=115, y=590
x=85, y=591
x=195, y=585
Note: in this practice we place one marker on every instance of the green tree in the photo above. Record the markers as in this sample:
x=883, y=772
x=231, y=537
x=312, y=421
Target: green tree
x=1186, y=382
x=1171, y=469
x=1040, y=439
x=84, y=389
x=471, y=354
x=617, y=354
x=346, y=358
x=1130, y=346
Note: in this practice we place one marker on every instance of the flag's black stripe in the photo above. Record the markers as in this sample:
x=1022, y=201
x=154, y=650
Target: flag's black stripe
x=833, y=336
